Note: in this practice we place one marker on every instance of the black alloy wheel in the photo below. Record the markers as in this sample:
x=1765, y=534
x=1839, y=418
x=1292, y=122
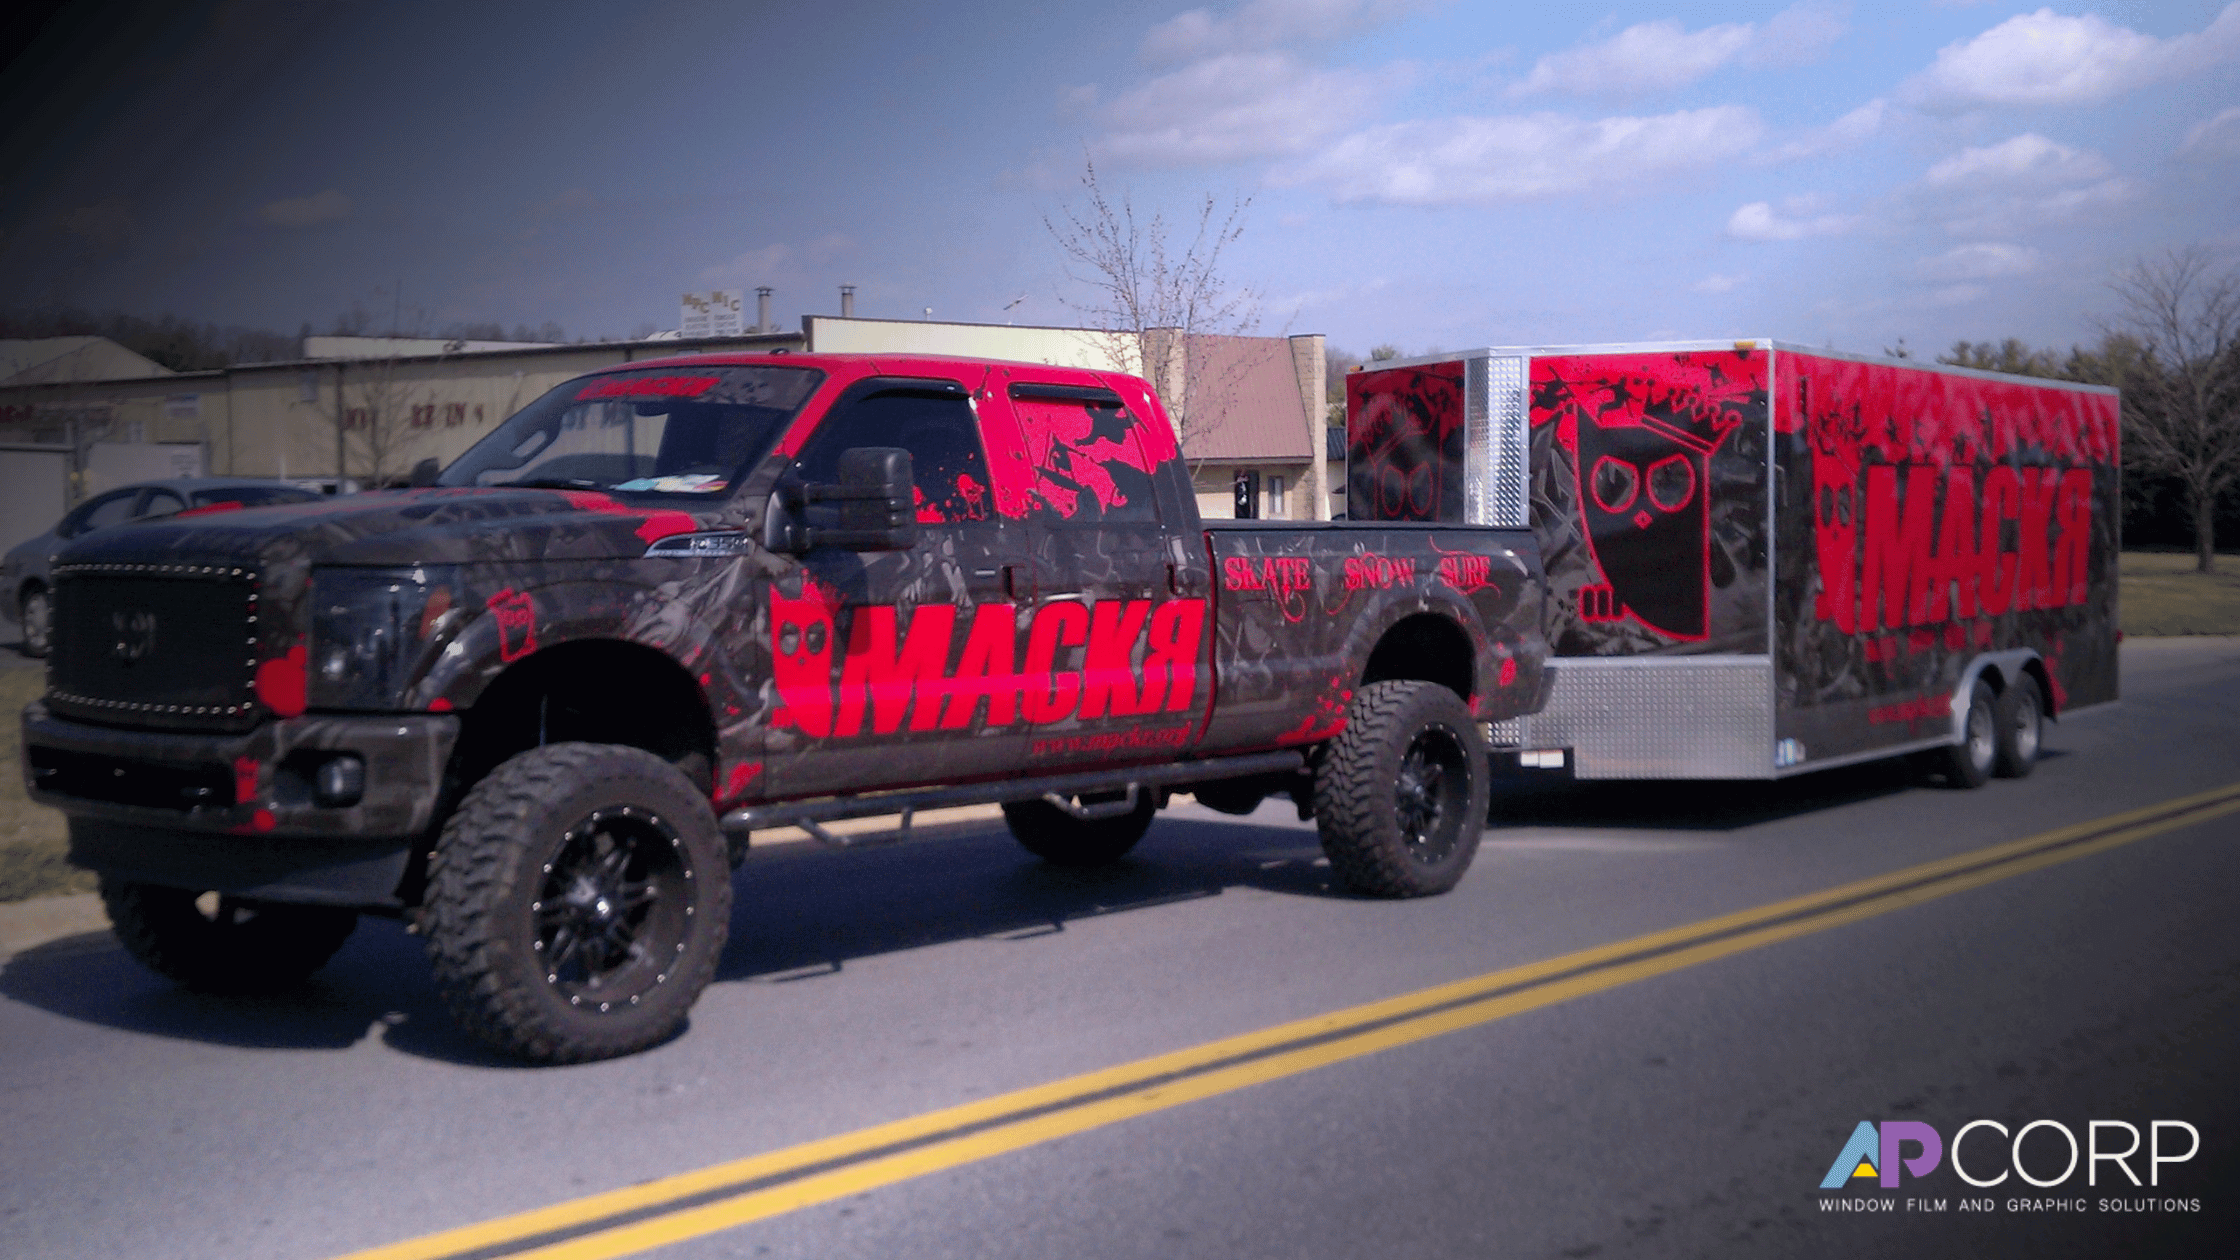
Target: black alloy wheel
x=1400, y=796
x=577, y=903
x=1432, y=786
x=610, y=916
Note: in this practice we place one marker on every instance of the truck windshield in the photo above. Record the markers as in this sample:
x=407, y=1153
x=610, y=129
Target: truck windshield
x=662, y=431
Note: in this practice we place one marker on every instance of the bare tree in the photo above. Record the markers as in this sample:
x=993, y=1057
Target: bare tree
x=382, y=419
x=1149, y=299
x=2181, y=402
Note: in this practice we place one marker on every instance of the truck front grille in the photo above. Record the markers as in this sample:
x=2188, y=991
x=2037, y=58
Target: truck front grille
x=159, y=645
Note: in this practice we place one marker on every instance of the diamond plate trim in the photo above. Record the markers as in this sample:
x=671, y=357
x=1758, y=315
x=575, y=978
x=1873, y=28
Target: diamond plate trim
x=1661, y=719
x=1501, y=443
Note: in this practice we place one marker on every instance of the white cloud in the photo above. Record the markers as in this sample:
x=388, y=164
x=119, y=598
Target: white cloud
x=1239, y=106
x=753, y=267
x=1261, y=24
x=1985, y=260
x=1662, y=55
x=2026, y=160
x=1759, y=221
x=1717, y=283
x=2214, y=138
x=1852, y=129
x=329, y=206
x=1448, y=161
x=2017, y=183
x=2043, y=58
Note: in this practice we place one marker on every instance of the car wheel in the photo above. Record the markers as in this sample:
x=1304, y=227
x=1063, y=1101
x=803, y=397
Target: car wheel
x=1401, y=796
x=577, y=903
x=37, y=611
x=2021, y=714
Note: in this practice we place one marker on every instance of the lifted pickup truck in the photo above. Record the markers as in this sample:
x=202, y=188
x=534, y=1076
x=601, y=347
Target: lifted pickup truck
x=539, y=705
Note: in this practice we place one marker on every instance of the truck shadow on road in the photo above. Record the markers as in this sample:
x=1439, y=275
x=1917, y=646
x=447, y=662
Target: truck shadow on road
x=798, y=912
x=802, y=912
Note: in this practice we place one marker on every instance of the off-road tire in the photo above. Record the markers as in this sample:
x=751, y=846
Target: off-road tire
x=219, y=943
x=2021, y=715
x=577, y=903
x=35, y=613
x=1060, y=839
x=1401, y=795
x=1968, y=764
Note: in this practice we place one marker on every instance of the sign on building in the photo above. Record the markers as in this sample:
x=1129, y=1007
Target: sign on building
x=716, y=314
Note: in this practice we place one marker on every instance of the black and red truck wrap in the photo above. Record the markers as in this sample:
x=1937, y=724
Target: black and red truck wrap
x=1765, y=559
x=537, y=704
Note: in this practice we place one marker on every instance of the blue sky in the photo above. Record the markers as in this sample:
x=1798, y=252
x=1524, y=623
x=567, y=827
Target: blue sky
x=1421, y=173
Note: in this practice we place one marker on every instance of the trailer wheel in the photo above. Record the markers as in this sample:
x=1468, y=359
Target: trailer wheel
x=219, y=943
x=577, y=903
x=1400, y=799
x=2022, y=718
x=1060, y=839
x=1969, y=763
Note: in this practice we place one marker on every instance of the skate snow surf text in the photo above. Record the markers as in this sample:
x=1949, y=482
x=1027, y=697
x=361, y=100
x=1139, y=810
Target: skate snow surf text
x=2019, y=541
x=930, y=670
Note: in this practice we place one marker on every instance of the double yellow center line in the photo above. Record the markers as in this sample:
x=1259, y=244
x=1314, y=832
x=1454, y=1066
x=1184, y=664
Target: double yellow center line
x=671, y=1209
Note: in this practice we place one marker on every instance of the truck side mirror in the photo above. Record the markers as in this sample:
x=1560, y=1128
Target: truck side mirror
x=424, y=472
x=877, y=500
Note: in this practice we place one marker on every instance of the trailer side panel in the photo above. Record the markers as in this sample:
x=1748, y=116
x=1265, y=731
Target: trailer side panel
x=1925, y=519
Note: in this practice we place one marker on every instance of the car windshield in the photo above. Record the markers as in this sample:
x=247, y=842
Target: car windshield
x=664, y=431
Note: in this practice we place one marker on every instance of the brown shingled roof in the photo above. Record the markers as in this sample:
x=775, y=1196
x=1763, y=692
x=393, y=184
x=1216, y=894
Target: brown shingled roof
x=1244, y=400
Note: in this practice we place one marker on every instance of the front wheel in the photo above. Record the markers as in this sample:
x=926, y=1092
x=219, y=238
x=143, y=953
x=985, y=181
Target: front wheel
x=2021, y=714
x=37, y=610
x=577, y=903
x=1400, y=799
x=220, y=943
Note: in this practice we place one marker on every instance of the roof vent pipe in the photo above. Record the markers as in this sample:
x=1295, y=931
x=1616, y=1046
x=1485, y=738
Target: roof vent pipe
x=762, y=308
x=847, y=301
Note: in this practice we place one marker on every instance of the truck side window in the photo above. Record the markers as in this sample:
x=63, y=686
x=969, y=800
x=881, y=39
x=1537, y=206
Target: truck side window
x=1091, y=467
x=938, y=430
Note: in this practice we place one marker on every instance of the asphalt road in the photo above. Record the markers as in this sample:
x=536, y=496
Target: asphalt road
x=1685, y=1106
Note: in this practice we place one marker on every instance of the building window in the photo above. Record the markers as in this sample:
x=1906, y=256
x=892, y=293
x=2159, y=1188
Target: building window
x=1279, y=508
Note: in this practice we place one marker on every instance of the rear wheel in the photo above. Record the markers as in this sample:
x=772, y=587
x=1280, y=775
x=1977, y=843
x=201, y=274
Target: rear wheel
x=1400, y=799
x=220, y=943
x=2021, y=713
x=37, y=610
x=577, y=903
x=1969, y=763
x=1061, y=839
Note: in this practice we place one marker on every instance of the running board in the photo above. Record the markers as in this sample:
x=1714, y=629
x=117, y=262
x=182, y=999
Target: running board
x=810, y=815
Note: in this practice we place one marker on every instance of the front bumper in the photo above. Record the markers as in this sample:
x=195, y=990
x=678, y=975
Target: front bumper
x=237, y=812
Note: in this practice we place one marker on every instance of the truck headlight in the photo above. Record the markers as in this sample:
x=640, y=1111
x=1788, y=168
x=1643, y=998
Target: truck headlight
x=371, y=630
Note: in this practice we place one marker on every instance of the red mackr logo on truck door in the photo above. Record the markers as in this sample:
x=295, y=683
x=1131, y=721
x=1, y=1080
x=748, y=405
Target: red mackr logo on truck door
x=896, y=673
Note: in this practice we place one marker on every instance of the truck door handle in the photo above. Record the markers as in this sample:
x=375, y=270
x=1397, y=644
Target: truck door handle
x=1018, y=582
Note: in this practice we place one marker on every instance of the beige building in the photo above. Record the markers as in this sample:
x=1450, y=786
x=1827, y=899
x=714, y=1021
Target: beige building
x=373, y=407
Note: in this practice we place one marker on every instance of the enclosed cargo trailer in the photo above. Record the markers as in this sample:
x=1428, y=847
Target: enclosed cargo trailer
x=1765, y=559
